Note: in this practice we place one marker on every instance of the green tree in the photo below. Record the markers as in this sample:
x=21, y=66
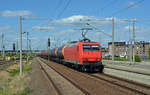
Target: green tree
x=137, y=58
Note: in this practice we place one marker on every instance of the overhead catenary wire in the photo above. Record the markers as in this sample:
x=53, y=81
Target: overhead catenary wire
x=57, y=7
x=46, y=20
x=63, y=10
x=126, y=8
x=99, y=30
x=108, y=4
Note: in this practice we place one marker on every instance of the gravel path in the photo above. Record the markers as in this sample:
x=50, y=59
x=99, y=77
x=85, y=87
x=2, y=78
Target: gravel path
x=65, y=87
x=39, y=83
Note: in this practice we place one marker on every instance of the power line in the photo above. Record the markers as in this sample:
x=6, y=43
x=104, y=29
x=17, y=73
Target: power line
x=48, y=20
x=109, y=3
x=124, y=9
x=99, y=30
x=68, y=3
x=57, y=7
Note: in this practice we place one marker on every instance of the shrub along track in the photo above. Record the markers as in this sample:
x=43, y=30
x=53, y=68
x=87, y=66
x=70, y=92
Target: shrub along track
x=90, y=84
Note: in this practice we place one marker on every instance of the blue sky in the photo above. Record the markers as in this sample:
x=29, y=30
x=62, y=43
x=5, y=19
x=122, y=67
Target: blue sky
x=61, y=20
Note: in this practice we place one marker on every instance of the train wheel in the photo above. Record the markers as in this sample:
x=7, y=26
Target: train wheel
x=84, y=69
x=101, y=68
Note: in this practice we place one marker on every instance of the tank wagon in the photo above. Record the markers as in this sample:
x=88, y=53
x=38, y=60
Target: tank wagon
x=84, y=56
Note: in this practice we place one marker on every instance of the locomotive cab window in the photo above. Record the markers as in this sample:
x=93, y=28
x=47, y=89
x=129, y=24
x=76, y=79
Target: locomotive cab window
x=90, y=47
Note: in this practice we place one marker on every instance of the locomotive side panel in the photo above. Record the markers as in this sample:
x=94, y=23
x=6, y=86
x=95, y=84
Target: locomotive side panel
x=71, y=53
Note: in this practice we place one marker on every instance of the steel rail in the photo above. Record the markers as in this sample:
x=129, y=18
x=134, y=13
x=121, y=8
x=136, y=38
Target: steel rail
x=51, y=80
x=120, y=85
x=71, y=81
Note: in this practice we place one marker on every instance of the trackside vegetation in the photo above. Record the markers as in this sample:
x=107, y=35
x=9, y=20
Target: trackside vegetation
x=11, y=83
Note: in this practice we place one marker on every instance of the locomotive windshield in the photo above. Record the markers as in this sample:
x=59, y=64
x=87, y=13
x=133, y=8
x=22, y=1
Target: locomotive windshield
x=90, y=47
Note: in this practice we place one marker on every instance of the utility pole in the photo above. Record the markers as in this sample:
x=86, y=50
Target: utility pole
x=112, y=39
x=130, y=45
x=30, y=46
x=17, y=49
x=27, y=47
x=133, y=22
x=3, y=48
x=20, y=22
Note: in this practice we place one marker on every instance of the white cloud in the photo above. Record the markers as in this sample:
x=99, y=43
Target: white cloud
x=7, y=29
x=39, y=28
x=9, y=13
x=81, y=21
x=73, y=20
x=65, y=32
x=131, y=27
x=132, y=3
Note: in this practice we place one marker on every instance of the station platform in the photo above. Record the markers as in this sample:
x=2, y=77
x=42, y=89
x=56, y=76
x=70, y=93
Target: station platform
x=138, y=67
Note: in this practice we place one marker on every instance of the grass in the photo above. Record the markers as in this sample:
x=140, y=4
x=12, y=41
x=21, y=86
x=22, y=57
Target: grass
x=121, y=59
x=117, y=59
x=13, y=84
x=26, y=91
x=13, y=72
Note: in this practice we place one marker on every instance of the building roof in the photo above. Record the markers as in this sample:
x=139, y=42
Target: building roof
x=142, y=42
x=118, y=43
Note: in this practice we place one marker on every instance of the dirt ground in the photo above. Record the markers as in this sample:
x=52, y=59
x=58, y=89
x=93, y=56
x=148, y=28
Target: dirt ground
x=39, y=84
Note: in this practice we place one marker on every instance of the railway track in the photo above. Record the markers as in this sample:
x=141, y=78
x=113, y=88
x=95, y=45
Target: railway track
x=6, y=64
x=51, y=80
x=92, y=83
x=127, y=84
x=65, y=77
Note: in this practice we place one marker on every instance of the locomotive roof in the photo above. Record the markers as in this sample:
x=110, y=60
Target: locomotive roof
x=81, y=41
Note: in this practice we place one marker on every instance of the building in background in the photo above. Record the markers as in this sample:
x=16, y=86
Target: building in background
x=105, y=53
x=120, y=49
x=141, y=49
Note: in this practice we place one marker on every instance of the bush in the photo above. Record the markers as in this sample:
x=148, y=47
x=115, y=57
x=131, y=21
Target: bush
x=137, y=58
x=121, y=59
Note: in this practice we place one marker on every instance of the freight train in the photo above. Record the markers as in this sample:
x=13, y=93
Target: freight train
x=84, y=56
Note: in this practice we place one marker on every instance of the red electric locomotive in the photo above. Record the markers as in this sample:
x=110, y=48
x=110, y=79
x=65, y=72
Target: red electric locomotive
x=85, y=56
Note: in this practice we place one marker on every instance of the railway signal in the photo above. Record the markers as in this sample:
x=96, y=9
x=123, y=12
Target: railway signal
x=14, y=48
x=48, y=48
x=48, y=42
